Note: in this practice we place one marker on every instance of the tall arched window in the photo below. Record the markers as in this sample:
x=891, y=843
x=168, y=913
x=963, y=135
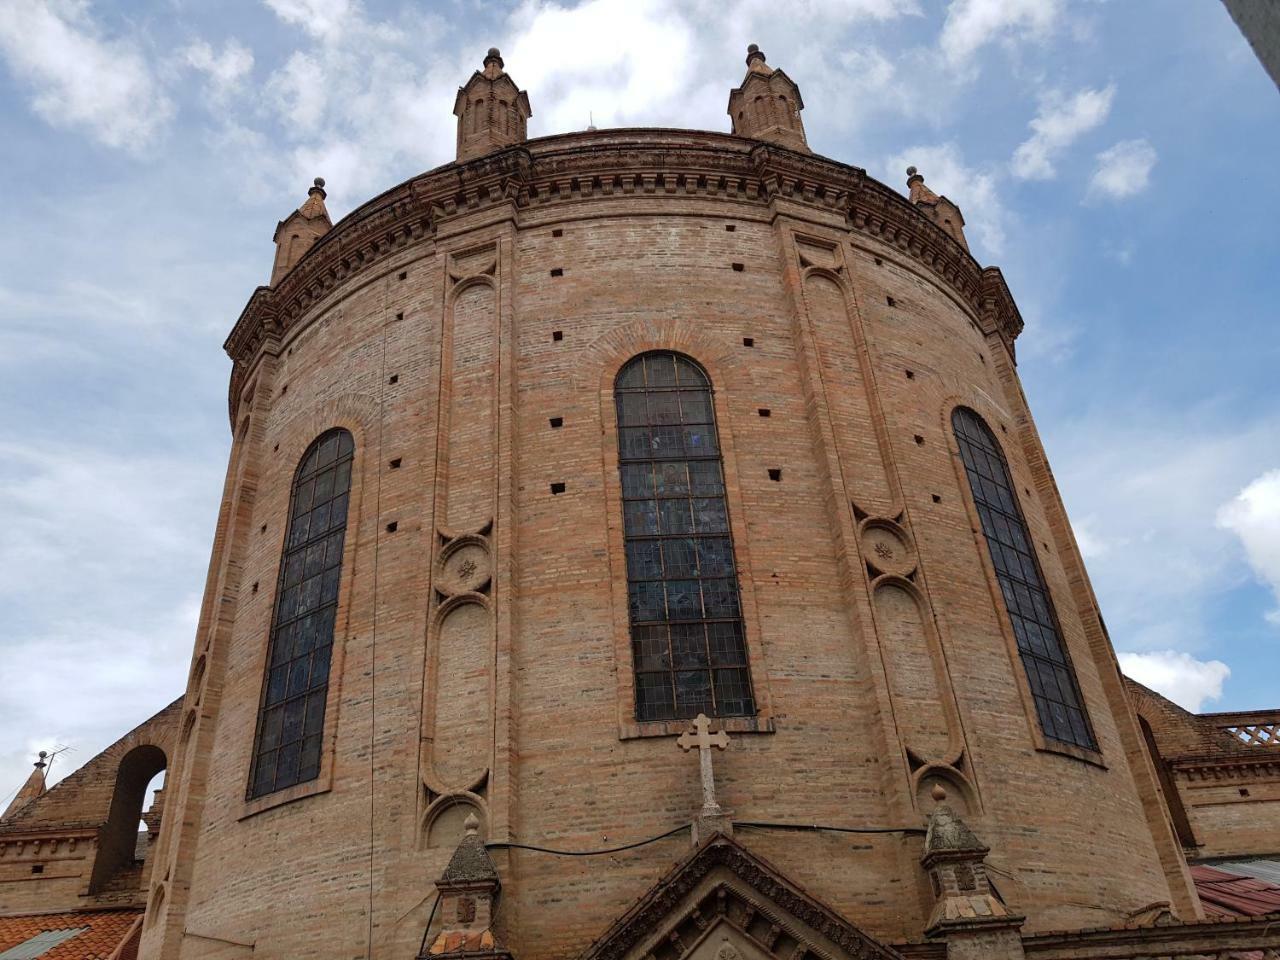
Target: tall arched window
x=1050, y=675
x=291, y=715
x=687, y=641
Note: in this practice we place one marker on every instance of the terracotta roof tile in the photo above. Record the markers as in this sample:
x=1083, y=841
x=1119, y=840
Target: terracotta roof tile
x=1231, y=895
x=107, y=928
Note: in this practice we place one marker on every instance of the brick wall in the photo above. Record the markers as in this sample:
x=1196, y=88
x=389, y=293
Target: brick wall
x=860, y=394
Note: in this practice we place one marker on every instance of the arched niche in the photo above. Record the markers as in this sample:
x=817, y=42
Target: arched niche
x=443, y=825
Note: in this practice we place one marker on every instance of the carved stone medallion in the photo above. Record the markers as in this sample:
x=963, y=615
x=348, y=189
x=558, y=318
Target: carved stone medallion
x=886, y=547
x=464, y=567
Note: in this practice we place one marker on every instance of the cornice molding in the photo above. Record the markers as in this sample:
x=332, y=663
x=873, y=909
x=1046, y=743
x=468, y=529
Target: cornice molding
x=594, y=165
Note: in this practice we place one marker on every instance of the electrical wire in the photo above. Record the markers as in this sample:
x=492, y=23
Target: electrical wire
x=430, y=919
x=760, y=824
x=510, y=845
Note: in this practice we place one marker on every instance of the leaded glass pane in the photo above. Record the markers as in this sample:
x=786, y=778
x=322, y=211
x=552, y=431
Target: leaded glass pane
x=287, y=747
x=682, y=588
x=1059, y=706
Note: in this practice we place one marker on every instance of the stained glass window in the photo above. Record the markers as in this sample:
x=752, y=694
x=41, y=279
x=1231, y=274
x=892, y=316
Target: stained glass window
x=687, y=641
x=1052, y=679
x=291, y=716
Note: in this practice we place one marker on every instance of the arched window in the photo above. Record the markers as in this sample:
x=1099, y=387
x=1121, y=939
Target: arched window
x=291, y=715
x=1059, y=706
x=687, y=642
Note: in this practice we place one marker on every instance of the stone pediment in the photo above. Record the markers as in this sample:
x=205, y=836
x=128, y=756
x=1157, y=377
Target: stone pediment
x=725, y=903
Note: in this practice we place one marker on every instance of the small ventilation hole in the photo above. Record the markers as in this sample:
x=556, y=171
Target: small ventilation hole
x=890, y=301
x=748, y=341
x=936, y=498
x=400, y=315
x=911, y=374
x=919, y=440
x=557, y=488
x=254, y=588
x=284, y=390
x=739, y=267
x=730, y=228
x=39, y=867
x=557, y=233
x=394, y=378
x=557, y=335
x=393, y=526
x=775, y=474
x=763, y=411
x=395, y=464
x=557, y=423
x=557, y=271
x=404, y=274
x=879, y=262
x=264, y=529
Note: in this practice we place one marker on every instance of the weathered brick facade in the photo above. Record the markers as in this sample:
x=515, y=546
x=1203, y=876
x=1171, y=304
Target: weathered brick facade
x=466, y=328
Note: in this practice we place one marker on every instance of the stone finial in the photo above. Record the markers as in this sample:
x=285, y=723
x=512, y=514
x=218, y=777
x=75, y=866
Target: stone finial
x=967, y=910
x=767, y=105
x=298, y=232
x=492, y=111
x=33, y=788
x=468, y=891
x=938, y=209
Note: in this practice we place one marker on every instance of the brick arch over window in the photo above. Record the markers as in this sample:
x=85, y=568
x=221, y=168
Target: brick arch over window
x=1050, y=675
x=687, y=642
x=295, y=687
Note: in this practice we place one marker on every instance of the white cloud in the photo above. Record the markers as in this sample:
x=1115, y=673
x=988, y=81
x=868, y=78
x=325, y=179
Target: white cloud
x=1124, y=170
x=1141, y=482
x=1091, y=543
x=91, y=532
x=79, y=78
x=971, y=189
x=226, y=71
x=320, y=18
x=972, y=24
x=1253, y=515
x=1182, y=678
x=627, y=61
x=1059, y=123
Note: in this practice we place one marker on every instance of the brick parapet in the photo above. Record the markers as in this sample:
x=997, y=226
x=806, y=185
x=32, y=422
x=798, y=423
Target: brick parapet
x=624, y=164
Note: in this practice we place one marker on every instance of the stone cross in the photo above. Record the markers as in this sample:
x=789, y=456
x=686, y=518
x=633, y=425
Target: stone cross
x=703, y=740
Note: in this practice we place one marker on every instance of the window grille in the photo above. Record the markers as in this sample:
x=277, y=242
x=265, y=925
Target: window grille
x=687, y=641
x=296, y=685
x=1059, y=706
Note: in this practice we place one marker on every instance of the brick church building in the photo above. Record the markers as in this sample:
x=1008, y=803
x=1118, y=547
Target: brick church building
x=636, y=544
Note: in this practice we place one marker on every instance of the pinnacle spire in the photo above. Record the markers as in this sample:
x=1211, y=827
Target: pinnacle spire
x=492, y=111
x=966, y=906
x=938, y=209
x=767, y=105
x=34, y=787
x=468, y=902
x=298, y=232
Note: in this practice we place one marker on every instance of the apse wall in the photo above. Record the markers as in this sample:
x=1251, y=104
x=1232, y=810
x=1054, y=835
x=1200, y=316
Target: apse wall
x=482, y=659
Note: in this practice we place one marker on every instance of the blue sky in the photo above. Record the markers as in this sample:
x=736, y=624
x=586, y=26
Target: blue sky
x=1116, y=159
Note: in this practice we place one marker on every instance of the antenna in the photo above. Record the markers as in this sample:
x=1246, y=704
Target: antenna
x=61, y=748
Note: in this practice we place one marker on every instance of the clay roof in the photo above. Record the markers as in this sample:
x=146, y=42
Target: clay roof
x=103, y=933
x=1233, y=894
